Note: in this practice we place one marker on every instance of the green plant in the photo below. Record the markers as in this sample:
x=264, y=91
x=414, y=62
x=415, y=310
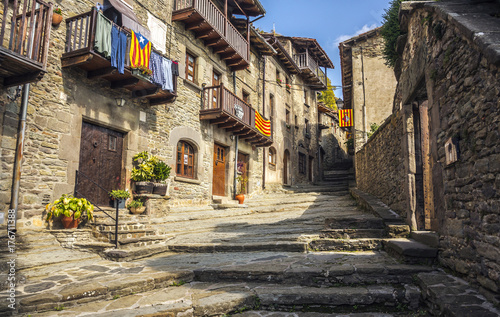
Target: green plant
x=119, y=194
x=116, y=297
x=59, y=308
x=69, y=206
x=242, y=181
x=349, y=143
x=373, y=127
x=58, y=11
x=135, y=204
x=390, y=32
x=180, y=283
x=144, y=171
x=161, y=171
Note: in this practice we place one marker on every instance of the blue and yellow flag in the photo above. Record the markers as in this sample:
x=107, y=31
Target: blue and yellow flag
x=140, y=50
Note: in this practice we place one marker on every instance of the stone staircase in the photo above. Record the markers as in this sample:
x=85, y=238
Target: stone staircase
x=282, y=254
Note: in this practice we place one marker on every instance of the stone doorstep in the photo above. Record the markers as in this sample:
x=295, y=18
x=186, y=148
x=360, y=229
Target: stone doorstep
x=101, y=288
x=353, y=233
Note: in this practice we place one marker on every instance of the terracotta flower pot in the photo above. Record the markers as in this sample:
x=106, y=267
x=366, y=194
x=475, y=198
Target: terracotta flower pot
x=138, y=210
x=69, y=222
x=56, y=19
x=240, y=198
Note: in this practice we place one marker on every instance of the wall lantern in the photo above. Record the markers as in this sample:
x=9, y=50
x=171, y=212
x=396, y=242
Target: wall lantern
x=120, y=102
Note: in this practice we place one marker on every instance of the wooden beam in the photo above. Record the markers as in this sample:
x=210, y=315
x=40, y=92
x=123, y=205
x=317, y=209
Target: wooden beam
x=229, y=56
x=204, y=34
x=124, y=82
x=23, y=79
x=159, y=101
x=213, y=42
x=194, y=25
x=221, y=49
x=228, y=124
x=77, y=60
x=140, y=93
x=182, y=16
x=219, y=120
x=101, y=72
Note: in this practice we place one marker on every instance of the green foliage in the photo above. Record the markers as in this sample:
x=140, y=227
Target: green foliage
x=148, y=168
x=349, y=143
x=373, y=127
x=390, y=32
x=57, y=10
x=161, y=171
x=59, y=308
x=69, y=206
x=328, y=96
x=119, y=194
x=135, y=204
x=180, y=283
x=242, y=181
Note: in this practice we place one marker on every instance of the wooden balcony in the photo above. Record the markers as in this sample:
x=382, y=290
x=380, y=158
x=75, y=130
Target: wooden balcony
x=229, y=112
x=210, y=24
x=80, y=53
x=24, y=40
x=315, y=77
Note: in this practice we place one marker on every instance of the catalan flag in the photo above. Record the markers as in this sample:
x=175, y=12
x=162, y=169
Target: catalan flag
x=345, y=118
x=264, y=126
x=140, y=50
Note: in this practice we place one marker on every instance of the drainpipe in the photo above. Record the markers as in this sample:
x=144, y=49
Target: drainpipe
x=264, y=114
x=235, y=182
x=365, y=139
x=16, y=178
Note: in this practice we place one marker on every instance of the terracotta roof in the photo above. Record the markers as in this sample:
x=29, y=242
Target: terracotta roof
x=362, y=36
x=283, y=55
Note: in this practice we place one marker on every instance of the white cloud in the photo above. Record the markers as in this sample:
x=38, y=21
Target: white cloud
x=345, y=37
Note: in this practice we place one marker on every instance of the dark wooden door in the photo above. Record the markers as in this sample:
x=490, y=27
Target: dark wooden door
x=219, y=177
x=286, y=160
x=243, y=169
x=100, y=163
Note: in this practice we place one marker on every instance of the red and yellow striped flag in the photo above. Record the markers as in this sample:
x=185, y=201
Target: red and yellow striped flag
x=264, y=126
x=345, y=118
x=140, y=50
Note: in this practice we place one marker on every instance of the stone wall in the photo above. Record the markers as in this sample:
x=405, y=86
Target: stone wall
x=380, y=166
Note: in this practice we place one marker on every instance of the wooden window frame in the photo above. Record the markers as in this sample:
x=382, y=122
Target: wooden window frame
x=193, y=73
x=180, y=162
x=272, y=159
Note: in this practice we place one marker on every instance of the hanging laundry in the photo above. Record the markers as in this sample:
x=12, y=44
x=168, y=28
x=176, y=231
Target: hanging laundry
x=156, y=66
x=168, y=83
x=140, y=51
x=102, y=41
x=175, y=68
x=118, y=48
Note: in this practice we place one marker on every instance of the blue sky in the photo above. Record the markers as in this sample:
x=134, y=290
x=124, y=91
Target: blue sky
x=328, y=21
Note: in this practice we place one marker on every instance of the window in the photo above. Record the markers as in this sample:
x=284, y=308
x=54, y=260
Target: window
x=305, y=97
x=271, y=105
x=185, y=159
x=246, y=97
x=288, y=84
x=302, y=163
x=272, y=159
x=278, y=77
x=287, y=117
x=307, y=127
x=215, y=92
x=296, y=121
x=190, y=67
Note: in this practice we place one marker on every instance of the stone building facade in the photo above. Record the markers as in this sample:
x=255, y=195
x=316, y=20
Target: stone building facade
x=442, y=142
x=75, y=96
x=368, y=84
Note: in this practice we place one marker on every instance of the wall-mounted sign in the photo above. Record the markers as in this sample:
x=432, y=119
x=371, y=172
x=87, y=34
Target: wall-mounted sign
x=238, y=111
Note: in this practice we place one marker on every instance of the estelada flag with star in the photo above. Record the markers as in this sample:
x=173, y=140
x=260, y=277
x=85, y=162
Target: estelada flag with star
x=345, y=118
x=140, y=50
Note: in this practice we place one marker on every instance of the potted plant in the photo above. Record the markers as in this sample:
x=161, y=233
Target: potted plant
x=136, y=207
x=161, y=172
x=240, y=190
x=142, y=72
x=56, y=16
x=142, y=174
x=119, y=197
x=71, y=210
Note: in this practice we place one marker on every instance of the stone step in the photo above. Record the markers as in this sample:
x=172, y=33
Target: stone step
x=428, y=238
x=353, y=233
x=350, y=245
x=357, y=274
x=306, y=313
x=144, y=241
x=411, y=251
x=360, y=222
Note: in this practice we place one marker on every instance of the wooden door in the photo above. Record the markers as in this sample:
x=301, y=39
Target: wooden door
x=215, y=96
x=286, y=161
x=101, y=162
x=219, y=177
x=243, y=169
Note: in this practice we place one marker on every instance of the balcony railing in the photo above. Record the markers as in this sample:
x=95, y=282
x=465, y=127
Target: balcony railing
x=306, y=62
x=228, y=111
x=79, y=51
x=209, y=23
x=24, y=40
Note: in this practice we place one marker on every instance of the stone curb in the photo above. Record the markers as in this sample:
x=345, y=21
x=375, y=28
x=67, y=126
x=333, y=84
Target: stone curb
x=375, y=206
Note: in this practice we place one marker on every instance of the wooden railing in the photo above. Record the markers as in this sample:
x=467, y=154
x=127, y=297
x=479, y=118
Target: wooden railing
x=28, y=32
x=209, y=11
x=218, y=97
x=304, y=60
x=80, y=31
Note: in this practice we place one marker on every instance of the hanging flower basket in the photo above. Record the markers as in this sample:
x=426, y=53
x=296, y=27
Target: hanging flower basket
x=142, y=73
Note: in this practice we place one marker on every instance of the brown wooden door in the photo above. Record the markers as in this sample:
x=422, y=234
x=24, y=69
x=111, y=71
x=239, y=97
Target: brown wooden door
x=286, y=161
x=243, y=169
x=219, y=177
x=101, y=163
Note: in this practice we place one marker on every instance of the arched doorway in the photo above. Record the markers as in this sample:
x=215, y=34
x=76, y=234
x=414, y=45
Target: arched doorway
x=286, y=165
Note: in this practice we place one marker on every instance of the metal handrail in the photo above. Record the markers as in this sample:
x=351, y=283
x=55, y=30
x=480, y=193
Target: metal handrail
x=77, y=174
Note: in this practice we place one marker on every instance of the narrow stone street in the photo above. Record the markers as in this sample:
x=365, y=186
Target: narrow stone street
x=253, y=260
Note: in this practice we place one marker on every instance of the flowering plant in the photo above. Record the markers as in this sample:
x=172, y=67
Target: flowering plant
x=58, y=11
x=288, y=86
x=278, y=80
x=144, y=70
